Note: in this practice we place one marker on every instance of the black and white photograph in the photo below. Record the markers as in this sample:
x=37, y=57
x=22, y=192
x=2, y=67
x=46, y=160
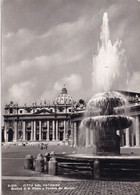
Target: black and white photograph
x=70, y=97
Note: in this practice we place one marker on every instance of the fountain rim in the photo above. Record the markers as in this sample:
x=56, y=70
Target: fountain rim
x=110, y=116
x=79, y=157
x=104, y=118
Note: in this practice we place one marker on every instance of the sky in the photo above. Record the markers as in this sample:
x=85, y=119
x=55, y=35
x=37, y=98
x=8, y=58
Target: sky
x=49, y=43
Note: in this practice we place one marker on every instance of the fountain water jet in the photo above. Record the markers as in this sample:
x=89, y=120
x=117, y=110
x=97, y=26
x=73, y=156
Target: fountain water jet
x=108, y=62
x=106, y=72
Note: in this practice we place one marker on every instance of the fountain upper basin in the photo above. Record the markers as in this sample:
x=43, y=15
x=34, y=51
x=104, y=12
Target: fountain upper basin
x=116, y=122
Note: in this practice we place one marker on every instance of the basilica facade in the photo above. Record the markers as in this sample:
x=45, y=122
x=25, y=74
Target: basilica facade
x=44, y=122
x=59, y=122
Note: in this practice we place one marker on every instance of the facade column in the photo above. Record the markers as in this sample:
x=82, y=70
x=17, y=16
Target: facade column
x=24, y=130
x=56, y=130
x=87, y=137
x=5, y=132
x=53, y=126
x=15, y=131
x=137, y=126
x=40, y=131
x=75, y=134
x=48, y=130
x=34, y=130
x=64, y=137
x=127, y=137
x=67, y=129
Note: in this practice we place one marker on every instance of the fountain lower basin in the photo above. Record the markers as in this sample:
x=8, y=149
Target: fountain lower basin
x=122, y=167
x=113, y=122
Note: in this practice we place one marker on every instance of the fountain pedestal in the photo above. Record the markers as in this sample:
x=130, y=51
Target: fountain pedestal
x=107, y=142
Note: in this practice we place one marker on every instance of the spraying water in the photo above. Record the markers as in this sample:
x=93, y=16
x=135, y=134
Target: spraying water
x=109, y=62
x=109, y=73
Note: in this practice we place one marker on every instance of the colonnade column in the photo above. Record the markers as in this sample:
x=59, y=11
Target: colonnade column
x=118, y=132
x=94, y=138
x=127, y=137
x=53, y=126
x=23, y=126
x=133, y=135
x=40, y=131
x=75, y=134
x=87, y=137
x=48, y=130
x=15, y=131
x=56, y=130
x=34, y=130
x=72, y=133
x=132, y=139
x=122, y=138
x=137, y=126
x=91, y=137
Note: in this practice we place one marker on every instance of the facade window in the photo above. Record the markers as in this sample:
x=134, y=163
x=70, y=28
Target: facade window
x=28, y=110
x=11, y=110
x=69, y=110
x=61, y=124
x=20, y=111
x=37, y=124
x=10, y=123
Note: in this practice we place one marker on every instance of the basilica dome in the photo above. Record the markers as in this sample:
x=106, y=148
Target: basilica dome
x=64, y=97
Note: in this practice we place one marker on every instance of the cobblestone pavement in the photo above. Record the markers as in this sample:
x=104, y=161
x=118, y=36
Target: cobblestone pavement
x=65, y=186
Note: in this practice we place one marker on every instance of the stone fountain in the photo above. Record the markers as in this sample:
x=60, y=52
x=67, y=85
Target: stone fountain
x=107, y=123
x=101, y=114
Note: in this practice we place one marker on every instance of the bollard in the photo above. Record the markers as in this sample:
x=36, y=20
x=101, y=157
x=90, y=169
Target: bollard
x=39, y=163
x=96, y=169
x=47, y=156
x=52, y=153
x=52, y=168
x=46, y=161
x=28, y=162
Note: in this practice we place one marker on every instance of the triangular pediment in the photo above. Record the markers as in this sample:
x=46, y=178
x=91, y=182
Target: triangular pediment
x=43, y=111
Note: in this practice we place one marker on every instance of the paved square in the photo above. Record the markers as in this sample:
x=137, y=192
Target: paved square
x=17, y=180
